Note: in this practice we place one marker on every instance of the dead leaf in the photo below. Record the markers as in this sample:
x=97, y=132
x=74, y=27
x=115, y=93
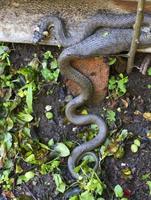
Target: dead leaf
x=149, y=135
x=8, y=194
x=147, y=116
x=125, y=103
x=137, y=112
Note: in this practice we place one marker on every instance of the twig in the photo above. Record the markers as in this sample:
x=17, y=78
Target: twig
x=136, y=35
x=144, y=50
x=30, y=192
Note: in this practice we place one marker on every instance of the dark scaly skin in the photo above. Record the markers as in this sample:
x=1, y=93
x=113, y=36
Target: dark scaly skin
x=72, y=192
x=103, y=42
x=86, y=93
x=86, y=27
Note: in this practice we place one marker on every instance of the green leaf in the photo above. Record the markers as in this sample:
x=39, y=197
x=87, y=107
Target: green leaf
x=28, y=73
x=8, y=140
x=51, y=142
x=29, y=175
x=94, y=185
x=118, y=85
x=62, y=149
x=100, y=198
x=44, y=146
x=149, y=185
x=112, y=83
x=123, y=135
x=3, y=49
x=29, y=98
x=30, y=159
x=134, y=148
x=118, y=190
x=146, y=176
x=137, y=142
x=48, y=55
x=149, y=71
x=26, y=177
x=56, y=74
x=49, y=167
x=54, y=64
x=74, y=198
x=10, y=123
x=112, y=61
x=86, y=196
x=84, y=112
x=25, y=117
x=47, y=74
x=26, y=131
x=59, y=183
x=94, y=127
x=111, y=116
x=149, y=86
x=49, y=115
x=9, y=164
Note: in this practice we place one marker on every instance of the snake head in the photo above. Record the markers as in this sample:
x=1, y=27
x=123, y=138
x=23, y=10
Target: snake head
x=41, y=32
x=39, y=35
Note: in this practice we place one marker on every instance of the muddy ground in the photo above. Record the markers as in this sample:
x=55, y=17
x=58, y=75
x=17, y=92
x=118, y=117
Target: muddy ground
x=138, y=98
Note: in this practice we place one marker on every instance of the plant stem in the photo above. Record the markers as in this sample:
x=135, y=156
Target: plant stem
x=136, y=35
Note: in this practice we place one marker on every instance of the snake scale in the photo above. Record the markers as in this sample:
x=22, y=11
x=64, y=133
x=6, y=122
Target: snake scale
x=102, y=34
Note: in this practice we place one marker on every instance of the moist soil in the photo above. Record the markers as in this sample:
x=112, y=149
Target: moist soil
x=138, y=98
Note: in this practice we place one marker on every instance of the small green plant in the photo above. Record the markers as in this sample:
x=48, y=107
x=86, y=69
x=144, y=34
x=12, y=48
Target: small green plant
x=118, y=190
x=118, y=85
x=60, y=185
x=135, y=146
x=50, y=70
x=112, y=60
x=149, y=71
x=149, y=186
x=149, y=86
x=110, y=116
x=18, y=88
x=91, y=188
x=119, y=193
x=114, y=144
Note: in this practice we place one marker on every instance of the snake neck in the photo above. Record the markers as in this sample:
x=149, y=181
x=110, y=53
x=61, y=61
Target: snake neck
x=71, y=73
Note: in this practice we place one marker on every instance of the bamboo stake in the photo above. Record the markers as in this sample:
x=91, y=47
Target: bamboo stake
x=136, y=35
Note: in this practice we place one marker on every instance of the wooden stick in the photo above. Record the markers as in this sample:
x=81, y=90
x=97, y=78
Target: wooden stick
x=136, y=35
x=144, y=50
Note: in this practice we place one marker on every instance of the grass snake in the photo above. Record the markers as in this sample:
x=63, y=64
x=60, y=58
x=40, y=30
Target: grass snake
x=90, y=41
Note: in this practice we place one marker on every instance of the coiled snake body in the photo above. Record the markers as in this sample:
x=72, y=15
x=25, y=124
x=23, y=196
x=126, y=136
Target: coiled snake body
x=104, y=41
x=85, y=28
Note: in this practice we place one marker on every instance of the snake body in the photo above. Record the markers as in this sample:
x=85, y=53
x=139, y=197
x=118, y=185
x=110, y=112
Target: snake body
x=86, y=27
x=86, y=93
x=104, y=41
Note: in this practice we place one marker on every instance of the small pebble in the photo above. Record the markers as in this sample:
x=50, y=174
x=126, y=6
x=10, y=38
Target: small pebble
x=74, y=129
x=48, y=108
